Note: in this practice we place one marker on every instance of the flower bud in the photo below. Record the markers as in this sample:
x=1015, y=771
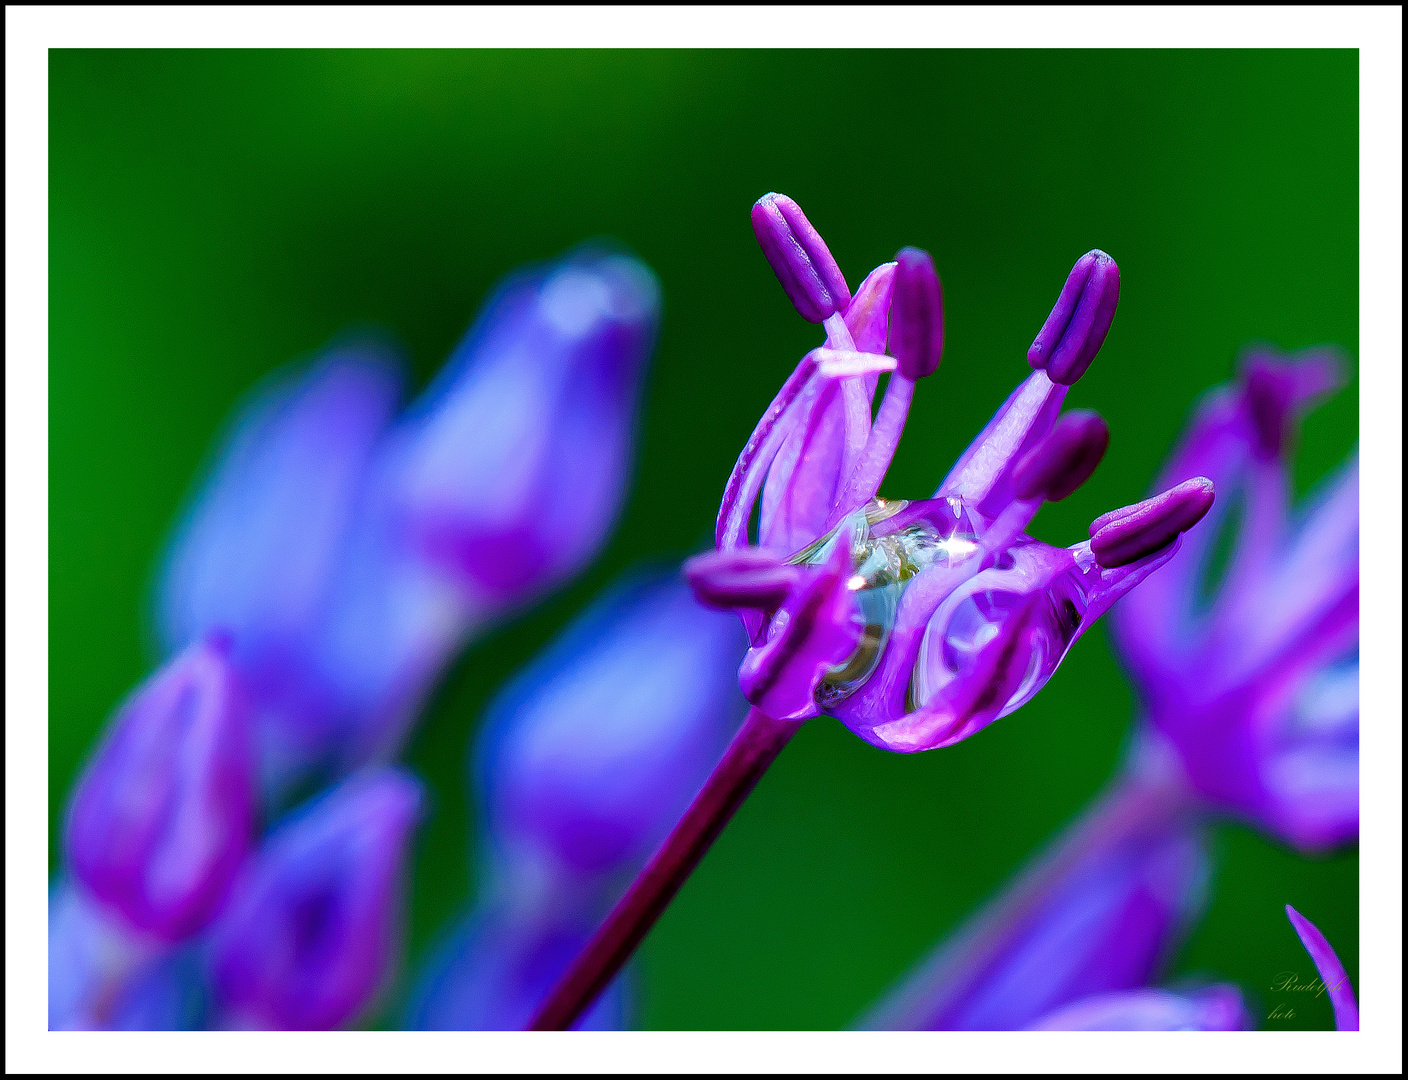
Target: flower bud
x=511, y=469
x=256, y=552
x=916, y=314
x=799, y=257
x=1064, y=459
x=163, y=815
x=1077, y=325
x=310, y=930
x=1129, y=534
x=588, y=757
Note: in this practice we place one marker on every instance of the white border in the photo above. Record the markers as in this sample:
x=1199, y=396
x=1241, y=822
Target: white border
x=1376, y=32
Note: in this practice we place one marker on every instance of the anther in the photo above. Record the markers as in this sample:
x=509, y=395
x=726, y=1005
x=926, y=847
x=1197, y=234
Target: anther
x=1077, y=325
x=799, y=257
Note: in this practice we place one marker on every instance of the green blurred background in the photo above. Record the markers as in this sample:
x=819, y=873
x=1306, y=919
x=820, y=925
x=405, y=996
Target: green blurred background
x=215, y=214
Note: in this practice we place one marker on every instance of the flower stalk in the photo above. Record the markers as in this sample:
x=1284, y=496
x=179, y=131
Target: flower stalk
x=748, y=756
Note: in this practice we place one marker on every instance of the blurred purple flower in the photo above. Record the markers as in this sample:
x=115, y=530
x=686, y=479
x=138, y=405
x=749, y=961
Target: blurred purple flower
x=1101, y=912
x=257, y=553
x=498, y=965
x=350, y=558
x=1258, y=688
x=514, y=464
x=1332, y=974
x=917, y=624
x=94, y=957
x=584, y=761
x=163, y=815
x=1212, y=1008
x=311, y=929
x=590, y=754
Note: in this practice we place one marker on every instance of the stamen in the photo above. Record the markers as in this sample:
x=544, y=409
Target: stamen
x=1077, y=325
x=743, y=578
x=847, y=363
x=1127, y=535
x=762, y=446
x=916, y=314
x=1064, y=460
x=799, y=257
x=917, y=341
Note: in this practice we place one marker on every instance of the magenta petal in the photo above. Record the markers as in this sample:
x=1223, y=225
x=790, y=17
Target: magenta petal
x=817, y=628
x=1332, y=972
x=164, y=813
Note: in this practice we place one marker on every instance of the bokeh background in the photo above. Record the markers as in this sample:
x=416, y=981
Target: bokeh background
x=216, y=214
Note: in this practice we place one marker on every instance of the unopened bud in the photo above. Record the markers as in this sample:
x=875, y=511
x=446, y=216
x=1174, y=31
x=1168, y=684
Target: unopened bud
x=164, y=814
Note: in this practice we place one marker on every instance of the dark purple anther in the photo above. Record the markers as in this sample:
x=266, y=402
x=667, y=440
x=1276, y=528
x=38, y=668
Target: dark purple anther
x=799, y=257
x=746, y=577
x=1077, y=325
x=1127, y=535
x=916, y=314
x=1063, y=460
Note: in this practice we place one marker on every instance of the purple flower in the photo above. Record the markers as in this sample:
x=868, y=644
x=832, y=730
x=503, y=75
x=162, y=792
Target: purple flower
x=1257, y=687
x=585, y=760
x=498, y=965
x=163, y=815
x=1102, y=912
x=917, y=623
x=349, y=558
x=590, y=754
x=1332, y=973
x=310, y=931
x=1212, y=1008
x=94, y=958
x=514, y=464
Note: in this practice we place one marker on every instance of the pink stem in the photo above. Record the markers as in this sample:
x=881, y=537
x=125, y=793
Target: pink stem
x=748, y=756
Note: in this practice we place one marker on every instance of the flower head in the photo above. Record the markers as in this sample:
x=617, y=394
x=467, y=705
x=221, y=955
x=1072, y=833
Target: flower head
x=163, y=815
x=311, y=926
x=1257, y=687
x=917, y=623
